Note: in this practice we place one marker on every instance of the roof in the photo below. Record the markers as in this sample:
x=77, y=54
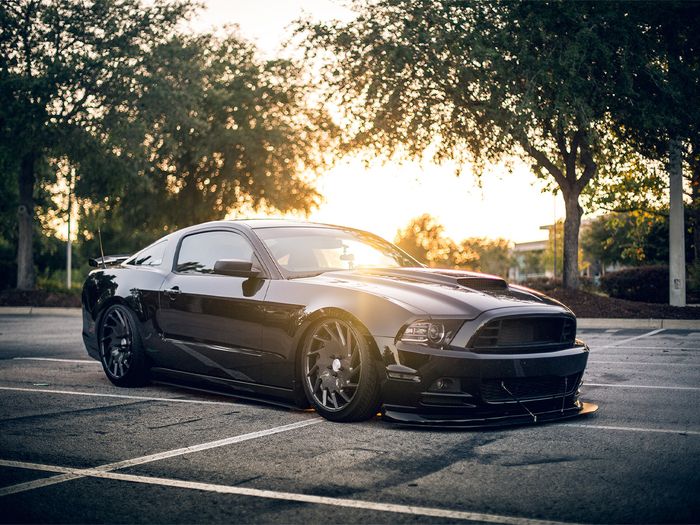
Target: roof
x=530, y=246
x=276, y=223
x=256, y=224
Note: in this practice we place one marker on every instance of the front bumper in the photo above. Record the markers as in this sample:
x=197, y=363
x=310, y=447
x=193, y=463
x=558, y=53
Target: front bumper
x=456, y=387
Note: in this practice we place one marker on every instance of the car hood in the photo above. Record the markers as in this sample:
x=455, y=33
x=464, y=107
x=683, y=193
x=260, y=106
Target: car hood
x=439, y=292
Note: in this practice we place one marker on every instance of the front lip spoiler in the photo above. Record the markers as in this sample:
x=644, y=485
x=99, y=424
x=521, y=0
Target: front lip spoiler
x=419, y=420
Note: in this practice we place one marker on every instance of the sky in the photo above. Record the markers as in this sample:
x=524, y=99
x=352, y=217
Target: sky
x=384, y=197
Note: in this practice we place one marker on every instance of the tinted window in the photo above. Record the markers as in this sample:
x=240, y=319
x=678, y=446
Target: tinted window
x=200, y=251
x=151, y=256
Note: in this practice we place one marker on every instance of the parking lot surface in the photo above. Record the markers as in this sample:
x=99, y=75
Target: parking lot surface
x=74, y=448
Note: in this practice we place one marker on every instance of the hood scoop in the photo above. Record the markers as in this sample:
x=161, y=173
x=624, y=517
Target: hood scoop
x=475, y=281
x=484, y=284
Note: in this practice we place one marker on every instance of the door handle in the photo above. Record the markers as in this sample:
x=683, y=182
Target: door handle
x=172, y=293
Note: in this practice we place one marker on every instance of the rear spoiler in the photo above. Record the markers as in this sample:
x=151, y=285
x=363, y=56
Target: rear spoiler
x=108, y=260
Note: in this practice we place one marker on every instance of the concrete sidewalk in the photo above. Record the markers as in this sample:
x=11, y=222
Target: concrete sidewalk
x=681, y=324
x=38, y=310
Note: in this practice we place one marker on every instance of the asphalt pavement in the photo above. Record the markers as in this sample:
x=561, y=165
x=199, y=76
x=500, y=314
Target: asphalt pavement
x=74, y=448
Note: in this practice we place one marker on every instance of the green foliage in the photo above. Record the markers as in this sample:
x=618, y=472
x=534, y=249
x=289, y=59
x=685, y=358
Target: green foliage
x=533, y=262
x=693, y=282
x=424, y=238
x=635, y=238
x=227, y=131
x=68, y=75
x=647, y=283
x=657, y=103
x=163, y=129
x=492, y=255
x=660, y=100
x=481, y=80
x=8, y=267
x=67, y=86
x=549, y=285
x=628, y=182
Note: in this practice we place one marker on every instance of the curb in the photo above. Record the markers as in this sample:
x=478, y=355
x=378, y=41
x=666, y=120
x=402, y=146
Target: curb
x=652, y=324
x=39, y=310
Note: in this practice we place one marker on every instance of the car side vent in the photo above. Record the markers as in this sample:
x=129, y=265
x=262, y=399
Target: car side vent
x=524, y=335
x=484, y=284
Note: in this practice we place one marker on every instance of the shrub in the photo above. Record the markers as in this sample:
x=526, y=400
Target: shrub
x=8, y=274
x=542, y=284
x=693, y=283
x=646, y=283
x=548, y=284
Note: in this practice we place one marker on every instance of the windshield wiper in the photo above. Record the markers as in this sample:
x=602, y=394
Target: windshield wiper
x=301, y=275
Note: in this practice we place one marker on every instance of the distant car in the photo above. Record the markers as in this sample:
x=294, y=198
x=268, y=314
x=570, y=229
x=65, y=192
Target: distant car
x=336, y=318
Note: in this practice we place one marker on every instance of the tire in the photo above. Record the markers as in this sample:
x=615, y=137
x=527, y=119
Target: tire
x=339, y=373
x=121, y=350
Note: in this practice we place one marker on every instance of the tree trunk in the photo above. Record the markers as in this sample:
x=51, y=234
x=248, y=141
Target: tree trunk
x=26, y=279
x=572, y=225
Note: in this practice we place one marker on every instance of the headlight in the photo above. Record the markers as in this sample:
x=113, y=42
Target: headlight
x=433, y=333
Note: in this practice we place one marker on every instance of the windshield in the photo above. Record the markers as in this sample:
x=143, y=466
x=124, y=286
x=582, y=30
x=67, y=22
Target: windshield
x=302, y=252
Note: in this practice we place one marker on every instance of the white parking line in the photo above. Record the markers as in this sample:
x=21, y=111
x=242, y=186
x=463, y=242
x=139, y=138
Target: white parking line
x=289, y=496
x=616, y=347
x=653, y=387
x=634, y=429
x=88, y=361
x=70, y=474
x=117, y=396
x=648, y=334
x=639, y=363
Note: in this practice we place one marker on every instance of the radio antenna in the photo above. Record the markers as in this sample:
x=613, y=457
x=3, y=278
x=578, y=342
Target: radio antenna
x=102, y=252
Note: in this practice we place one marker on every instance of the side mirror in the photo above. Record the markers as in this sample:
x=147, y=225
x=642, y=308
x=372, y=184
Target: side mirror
x=235, y=268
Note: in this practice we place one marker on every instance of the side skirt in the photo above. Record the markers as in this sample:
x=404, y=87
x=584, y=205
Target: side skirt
x=271, y=395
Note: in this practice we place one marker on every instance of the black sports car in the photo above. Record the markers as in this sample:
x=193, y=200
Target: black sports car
x=332, y=317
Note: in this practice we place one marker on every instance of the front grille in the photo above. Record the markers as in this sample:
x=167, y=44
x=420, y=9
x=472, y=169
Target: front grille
x=528, y=388
x=524, y=334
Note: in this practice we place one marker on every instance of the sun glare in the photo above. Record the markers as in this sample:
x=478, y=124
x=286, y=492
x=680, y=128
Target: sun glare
x=383, y=198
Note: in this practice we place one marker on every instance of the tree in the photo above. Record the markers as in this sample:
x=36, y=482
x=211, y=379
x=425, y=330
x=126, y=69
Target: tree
x=223, y=132
x=661, y=114
x=631, y=239
x=226, y=130
x=535, y=79
x=67, y=77
x=492, y=255
x=424, y=238
x=162, y=129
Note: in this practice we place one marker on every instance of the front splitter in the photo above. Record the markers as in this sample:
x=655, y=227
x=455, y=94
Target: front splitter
x=492, y=421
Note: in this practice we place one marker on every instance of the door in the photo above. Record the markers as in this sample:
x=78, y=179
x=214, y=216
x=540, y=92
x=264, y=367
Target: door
x=212, y=323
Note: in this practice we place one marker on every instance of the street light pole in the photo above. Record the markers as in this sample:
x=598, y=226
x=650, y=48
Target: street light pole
x=69, y=246
x=676, y=226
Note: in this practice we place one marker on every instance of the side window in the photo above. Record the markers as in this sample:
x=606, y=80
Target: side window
x=200, y=251
x=151, y=256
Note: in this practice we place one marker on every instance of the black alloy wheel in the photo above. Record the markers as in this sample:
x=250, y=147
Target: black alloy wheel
x=339, y=372
x=121, y=351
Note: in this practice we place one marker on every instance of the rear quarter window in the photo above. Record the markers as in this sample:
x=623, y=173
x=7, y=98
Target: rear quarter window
x=151, y=256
